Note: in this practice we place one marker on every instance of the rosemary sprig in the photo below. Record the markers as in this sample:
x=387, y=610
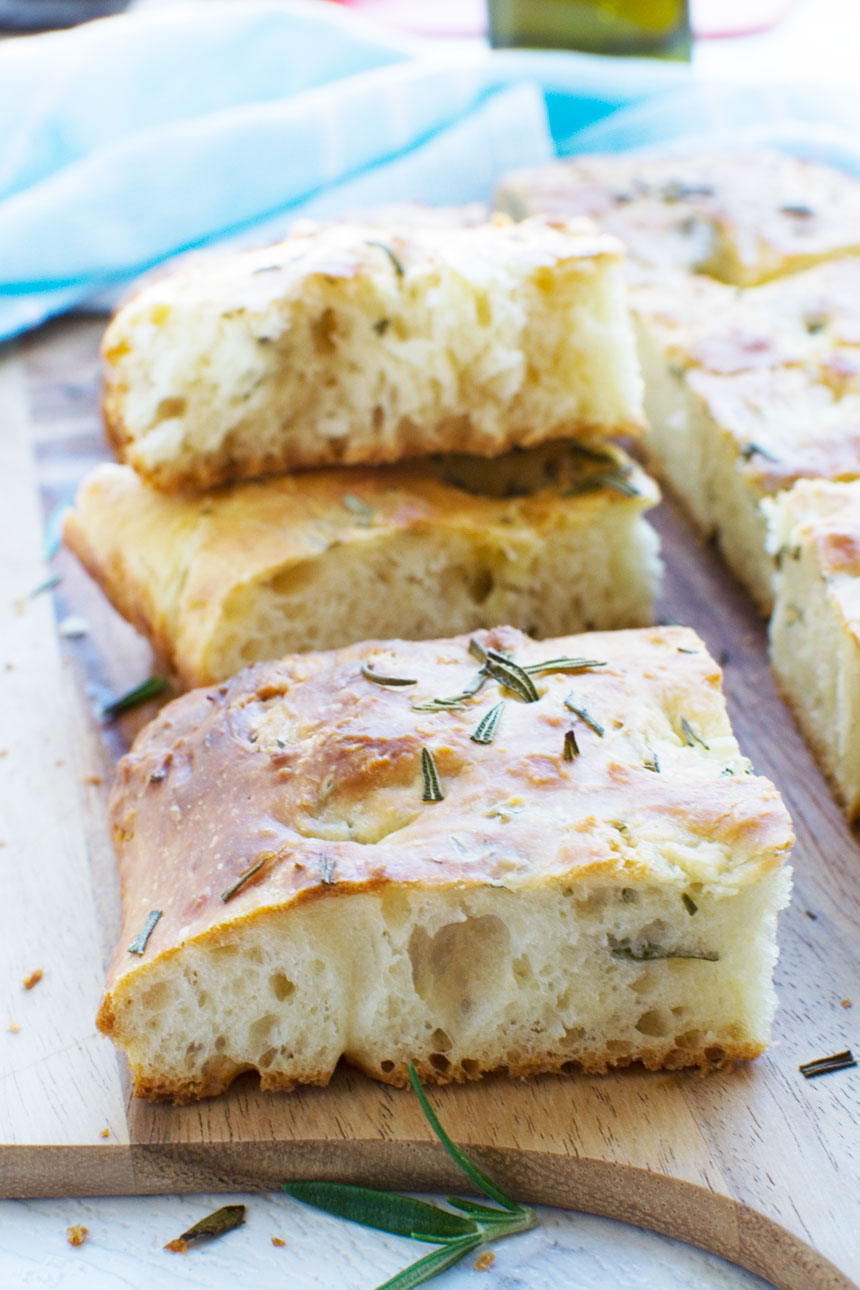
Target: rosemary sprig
x=378, y=679
x=431, y=785
x=454, y=1233
x=395, y=259
x=575, y=706
x=149, y=689
x=691, y=738
x=487, y=726
x=571, y=747
x=511, y=676
x=138, y=945
x=242, y=879
x=827, y=1065
x=562, y=665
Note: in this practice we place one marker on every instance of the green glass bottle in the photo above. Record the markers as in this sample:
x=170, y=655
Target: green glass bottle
x=651, y=28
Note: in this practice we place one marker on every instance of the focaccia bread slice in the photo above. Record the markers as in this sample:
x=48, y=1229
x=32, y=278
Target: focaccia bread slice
x=815, y=628
x=329, y=864
x=355, y=344
x=550, y=539
x=742, y=217
x=747, y=393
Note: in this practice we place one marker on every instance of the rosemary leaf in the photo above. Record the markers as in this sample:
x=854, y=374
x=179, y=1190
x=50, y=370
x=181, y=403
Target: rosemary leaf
x=477, y=650
x=378, y=679
x=649, y=953
x=511, y=676
x=364, y=514
x=755, y=450
x=327, y=870
x=432, y=1264
x=439, y=705
x=54, y=530
x=216, y=1224
x=381, y=326
x=473, y=1208
x=138, y=945
x=48, y=585
x=614, y=479
x=827, y=1065
x=652, y=762
x=562, y=665
x=571, y=747
x=689, y=904
x=432, y=788
x=395, y=259
x=477, y=1176
x=142, y=693
x=242, y=879
x=487, y=726
x=575, y=706
x=383, y=1210
x=691, y=738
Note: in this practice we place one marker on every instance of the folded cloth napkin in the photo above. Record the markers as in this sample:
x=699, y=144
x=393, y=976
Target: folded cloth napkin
x=135, y=138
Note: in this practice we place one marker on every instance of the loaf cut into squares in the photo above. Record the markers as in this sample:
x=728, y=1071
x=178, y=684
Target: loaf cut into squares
x=743, y=217
x=551, y=539
x=747, y=392
x=348, y=344
x=491, y=855
x=815, y=628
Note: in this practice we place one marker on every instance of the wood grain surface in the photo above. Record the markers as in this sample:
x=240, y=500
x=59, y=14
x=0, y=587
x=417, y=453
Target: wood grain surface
x=757, y=1165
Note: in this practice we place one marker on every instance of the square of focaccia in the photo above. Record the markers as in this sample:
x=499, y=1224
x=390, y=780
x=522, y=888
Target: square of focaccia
x=348, y=344
x=747, y=392
x=550, y=539
x=742, y=217
x=456, y=870
x=815, y=628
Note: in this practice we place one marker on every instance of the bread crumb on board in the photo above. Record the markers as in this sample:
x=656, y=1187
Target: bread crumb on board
x=93, y=779
x=14, y=1028
x=846, y=1003
x=33, y=979
x=485, y=1261
x=105, y=1132
x=177, y=1246
x=77, y=1234
x=276, y=1240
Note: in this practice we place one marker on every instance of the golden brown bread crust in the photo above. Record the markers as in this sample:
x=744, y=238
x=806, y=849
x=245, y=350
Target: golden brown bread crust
x=173, y=565
x=218, y=1079
x=743, y=217
x=278, y=732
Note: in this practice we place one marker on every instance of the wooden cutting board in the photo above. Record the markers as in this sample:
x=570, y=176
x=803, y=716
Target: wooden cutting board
x=759, y=1165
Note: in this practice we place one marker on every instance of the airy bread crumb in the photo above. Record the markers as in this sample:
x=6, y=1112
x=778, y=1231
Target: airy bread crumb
x=549, y=539
x=355, y=344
